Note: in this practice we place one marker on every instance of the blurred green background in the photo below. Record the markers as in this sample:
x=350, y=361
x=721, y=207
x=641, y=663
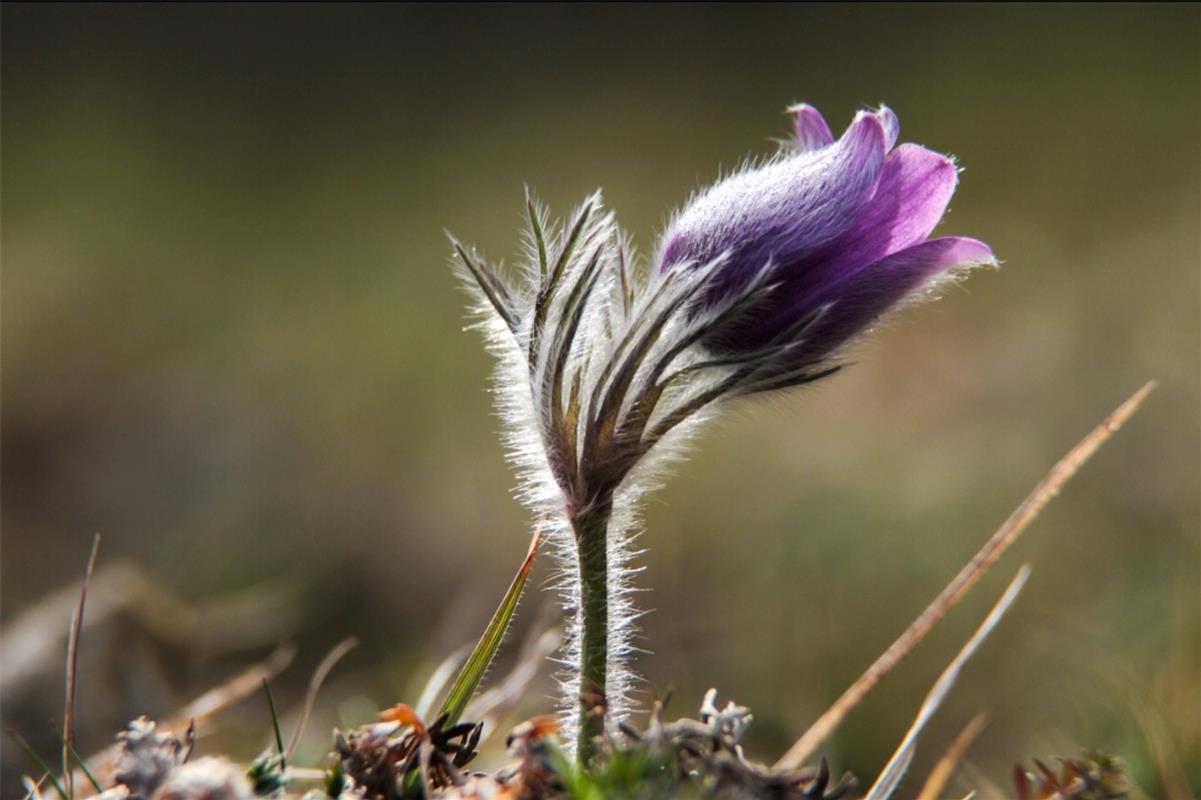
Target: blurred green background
x=232, y=345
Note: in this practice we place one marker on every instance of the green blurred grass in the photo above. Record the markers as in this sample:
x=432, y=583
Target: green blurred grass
x=231, y=343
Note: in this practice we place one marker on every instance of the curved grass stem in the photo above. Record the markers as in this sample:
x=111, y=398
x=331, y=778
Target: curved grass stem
x=1007, y=534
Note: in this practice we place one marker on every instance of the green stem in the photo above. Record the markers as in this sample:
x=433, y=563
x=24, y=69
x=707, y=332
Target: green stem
x=591, y=530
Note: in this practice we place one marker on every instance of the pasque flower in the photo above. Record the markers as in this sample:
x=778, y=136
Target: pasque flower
x=759, y=281
x=843, y=225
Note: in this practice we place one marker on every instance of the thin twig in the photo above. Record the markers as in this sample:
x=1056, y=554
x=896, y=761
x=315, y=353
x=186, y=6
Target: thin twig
x=941, y=774
x=72, y=677
x=1013, y=527
x=319, y=675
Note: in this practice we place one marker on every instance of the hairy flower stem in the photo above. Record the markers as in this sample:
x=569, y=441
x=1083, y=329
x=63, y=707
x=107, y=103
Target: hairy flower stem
x=591, y=532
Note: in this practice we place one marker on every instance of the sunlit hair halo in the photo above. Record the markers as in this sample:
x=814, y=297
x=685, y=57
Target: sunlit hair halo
x=757, y=285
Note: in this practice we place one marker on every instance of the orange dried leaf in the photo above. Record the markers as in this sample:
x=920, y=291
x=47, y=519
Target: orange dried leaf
x=404, y=714
x=543, y=726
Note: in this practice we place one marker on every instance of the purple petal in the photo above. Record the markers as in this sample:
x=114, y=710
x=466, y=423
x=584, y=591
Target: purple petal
x=892, y=126
x=863, y=298
x=810, y=129
x=915, y=188
x=785, y=210
x=911, y=197
x=845, y=222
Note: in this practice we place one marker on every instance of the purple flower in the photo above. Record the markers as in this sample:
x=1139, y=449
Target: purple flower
x=844, y=224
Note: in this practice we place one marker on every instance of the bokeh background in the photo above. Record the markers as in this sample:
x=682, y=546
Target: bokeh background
x=231, y=345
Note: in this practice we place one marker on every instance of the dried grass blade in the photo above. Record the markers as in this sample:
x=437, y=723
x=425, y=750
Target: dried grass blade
x=319, y=675
x=72, y=666
x=1006, y=535
x=941, y=774
x=241, y=685
x=891, y=776
x=469, y=678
